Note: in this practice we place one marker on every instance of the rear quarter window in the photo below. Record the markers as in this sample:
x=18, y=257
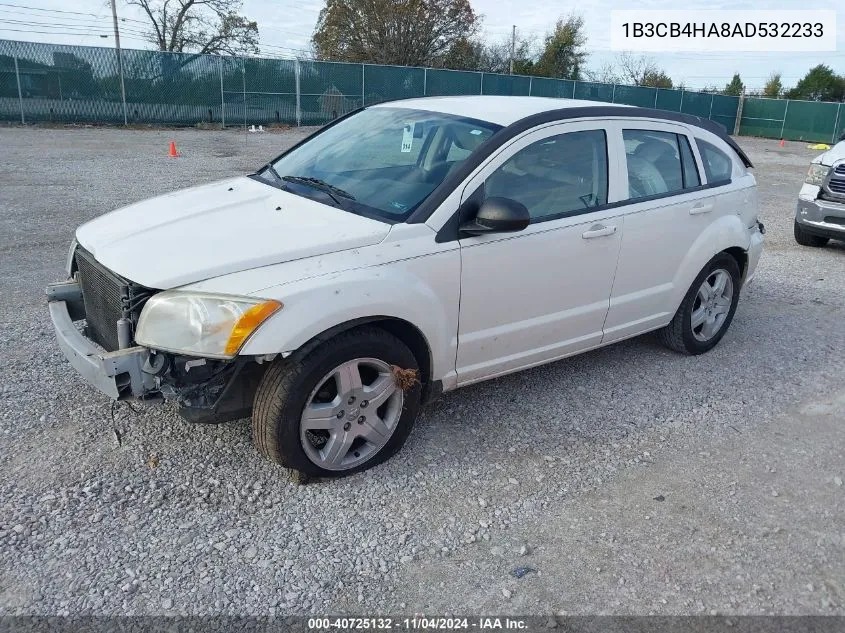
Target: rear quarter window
x=718, y=166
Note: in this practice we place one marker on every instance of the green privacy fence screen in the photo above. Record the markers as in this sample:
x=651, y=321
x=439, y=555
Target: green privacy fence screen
x=52, y=82
x=793, y=120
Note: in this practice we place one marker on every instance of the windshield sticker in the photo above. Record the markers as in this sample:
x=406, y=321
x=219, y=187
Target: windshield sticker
x=408, y=137
x=476, y=132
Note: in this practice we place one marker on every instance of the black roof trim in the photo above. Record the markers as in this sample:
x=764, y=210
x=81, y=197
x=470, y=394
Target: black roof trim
x=453, y=179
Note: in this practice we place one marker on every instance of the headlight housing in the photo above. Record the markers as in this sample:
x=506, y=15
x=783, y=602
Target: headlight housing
x=817, y=174
x=200, y=324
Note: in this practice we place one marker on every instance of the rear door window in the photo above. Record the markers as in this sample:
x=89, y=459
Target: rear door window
x=717, y=165
x=654, y=163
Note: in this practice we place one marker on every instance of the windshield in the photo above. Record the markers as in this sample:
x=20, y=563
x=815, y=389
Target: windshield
x=381, y=162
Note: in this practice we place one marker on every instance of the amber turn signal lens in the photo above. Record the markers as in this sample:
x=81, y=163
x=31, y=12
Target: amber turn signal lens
x=249, y=322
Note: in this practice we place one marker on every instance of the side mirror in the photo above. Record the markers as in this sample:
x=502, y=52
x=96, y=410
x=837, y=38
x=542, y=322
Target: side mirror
x=842, y=136
x=497, y=215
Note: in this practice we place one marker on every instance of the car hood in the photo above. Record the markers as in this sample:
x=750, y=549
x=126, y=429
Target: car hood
x=834, y=154
x=220, y=228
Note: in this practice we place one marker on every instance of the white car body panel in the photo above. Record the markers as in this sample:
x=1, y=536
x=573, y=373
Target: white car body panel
x=508, y=323
x=409, y=278
x=220, y=228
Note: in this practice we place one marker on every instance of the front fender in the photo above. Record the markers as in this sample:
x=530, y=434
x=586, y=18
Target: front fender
x=423, y=291
x=724, y=233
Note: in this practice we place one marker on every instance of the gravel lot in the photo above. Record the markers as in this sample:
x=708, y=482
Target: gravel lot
x=556, y=468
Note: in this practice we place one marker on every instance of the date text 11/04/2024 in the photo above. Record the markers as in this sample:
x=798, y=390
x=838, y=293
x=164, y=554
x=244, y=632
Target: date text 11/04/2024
x=421, y=623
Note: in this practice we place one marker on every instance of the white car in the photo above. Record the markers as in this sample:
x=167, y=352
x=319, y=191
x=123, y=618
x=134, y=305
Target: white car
x=408, y=249
x=820, y=214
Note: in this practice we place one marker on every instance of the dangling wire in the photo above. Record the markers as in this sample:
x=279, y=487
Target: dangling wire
x=117, y=435
x=114, y=428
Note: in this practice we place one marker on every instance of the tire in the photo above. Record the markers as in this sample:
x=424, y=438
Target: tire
x=312, y=377
x=807, y=239
x=680, y=335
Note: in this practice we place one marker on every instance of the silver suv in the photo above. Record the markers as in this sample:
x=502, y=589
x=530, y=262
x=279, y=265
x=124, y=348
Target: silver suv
x=820, y=215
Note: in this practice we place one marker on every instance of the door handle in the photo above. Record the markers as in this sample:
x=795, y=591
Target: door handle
x=598, y=230
x=701, y=207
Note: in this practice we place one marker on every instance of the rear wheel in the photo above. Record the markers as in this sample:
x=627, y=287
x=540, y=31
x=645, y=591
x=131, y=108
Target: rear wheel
x=342, y=407
x=707, y=309
x=807, y=239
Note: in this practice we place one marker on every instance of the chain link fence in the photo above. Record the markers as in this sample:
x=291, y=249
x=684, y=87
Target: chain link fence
x=58, y=83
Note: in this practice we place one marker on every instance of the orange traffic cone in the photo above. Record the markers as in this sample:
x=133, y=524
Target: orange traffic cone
x=782, y=143
x=173, y=153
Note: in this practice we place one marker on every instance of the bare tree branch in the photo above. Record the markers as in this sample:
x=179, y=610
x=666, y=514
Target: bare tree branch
x=204, y=26
x=632, y=70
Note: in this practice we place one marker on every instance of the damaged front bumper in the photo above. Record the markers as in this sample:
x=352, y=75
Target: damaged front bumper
x=206, y=390
x=119, y=374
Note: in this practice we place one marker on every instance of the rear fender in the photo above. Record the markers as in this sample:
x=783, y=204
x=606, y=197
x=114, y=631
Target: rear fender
x=725, y=232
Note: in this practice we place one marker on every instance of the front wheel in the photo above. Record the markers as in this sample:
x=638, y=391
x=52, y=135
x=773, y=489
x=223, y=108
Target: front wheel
x=707, y=309
x=342, y=407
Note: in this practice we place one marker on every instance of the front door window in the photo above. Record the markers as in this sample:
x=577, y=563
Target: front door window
x=555, y=177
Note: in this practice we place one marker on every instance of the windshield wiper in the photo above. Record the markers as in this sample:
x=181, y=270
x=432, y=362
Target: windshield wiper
x=322, y=185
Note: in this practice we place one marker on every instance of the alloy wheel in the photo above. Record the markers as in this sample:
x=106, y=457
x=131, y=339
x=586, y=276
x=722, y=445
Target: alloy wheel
x=351, y=414
x=712, y=305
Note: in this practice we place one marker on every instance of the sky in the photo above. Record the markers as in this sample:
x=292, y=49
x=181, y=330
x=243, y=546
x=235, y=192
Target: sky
x=285, y=28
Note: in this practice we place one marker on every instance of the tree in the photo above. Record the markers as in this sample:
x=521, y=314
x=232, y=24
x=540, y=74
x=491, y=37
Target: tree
x=657, y=79
x=631, y=70
x=402, y=32
x=774, y=86
x=564, y=52
x=497, y=56
x=524, y=55
x=638, y=70
x=735, y=87
x=475, y=54
x=606, y=74
x=819, y=84
x=464, y=54
x=201, y=26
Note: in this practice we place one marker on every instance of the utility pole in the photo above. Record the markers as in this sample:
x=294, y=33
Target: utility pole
x=738, y=120
x=119, y=58
x=513, y=47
